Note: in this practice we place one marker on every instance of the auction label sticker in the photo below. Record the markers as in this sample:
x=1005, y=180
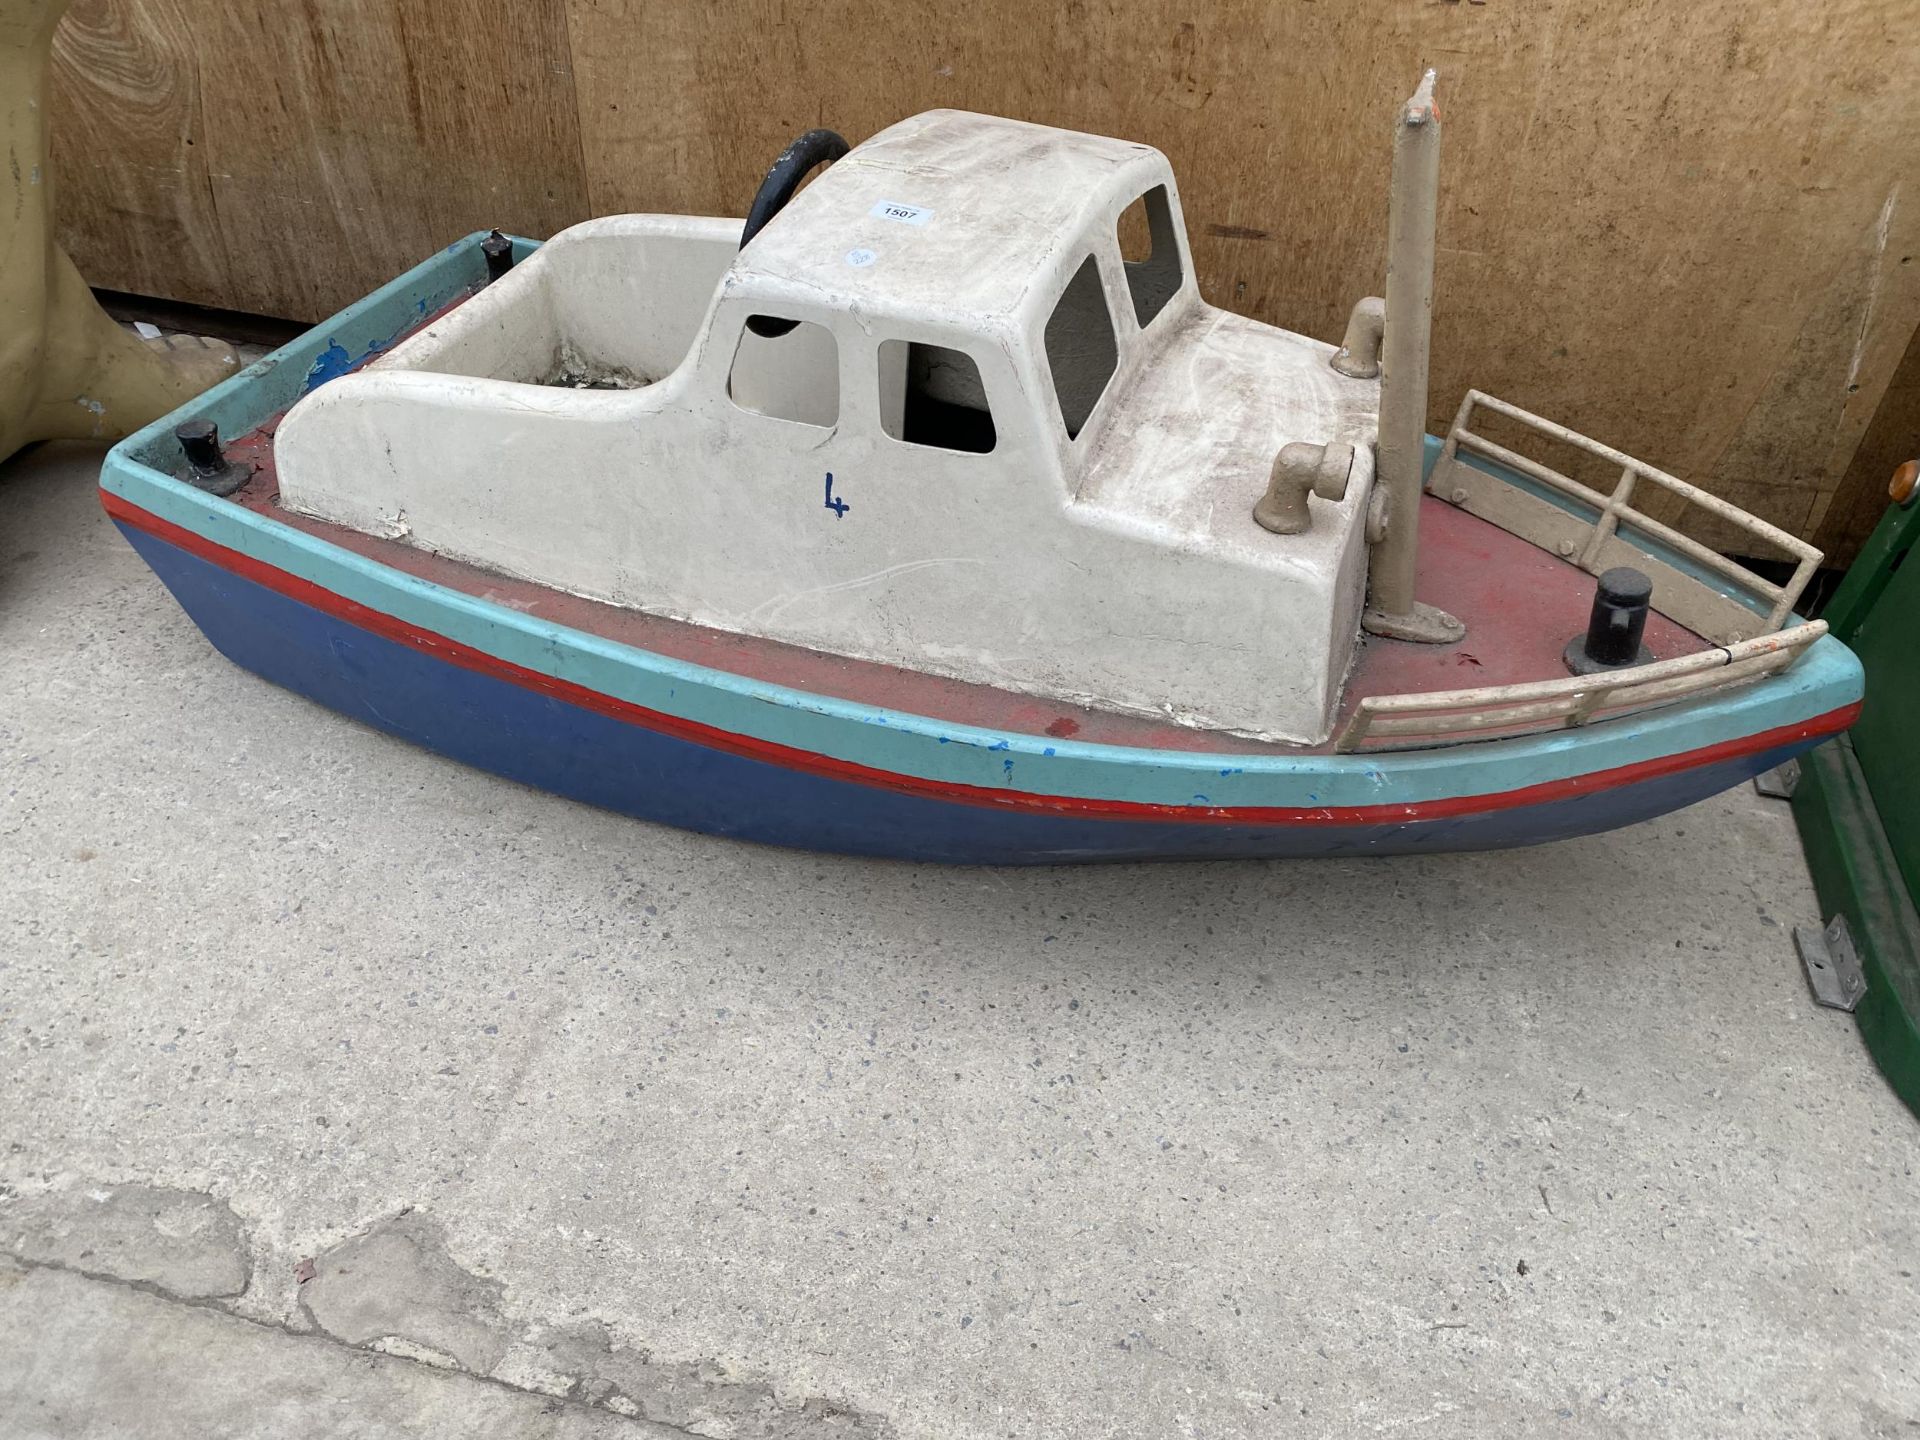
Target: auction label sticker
x=860, y=259
x=904, y=214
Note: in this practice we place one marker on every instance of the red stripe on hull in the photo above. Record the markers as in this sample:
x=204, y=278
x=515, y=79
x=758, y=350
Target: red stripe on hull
x=467, y=657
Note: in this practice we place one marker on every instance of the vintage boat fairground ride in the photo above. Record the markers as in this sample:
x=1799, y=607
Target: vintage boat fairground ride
x=919, y=520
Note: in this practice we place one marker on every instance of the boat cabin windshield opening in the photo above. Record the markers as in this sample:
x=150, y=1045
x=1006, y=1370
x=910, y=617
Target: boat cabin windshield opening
x=793, y=375
x=1082, y=353
x=1151, y=253
x=930, y=395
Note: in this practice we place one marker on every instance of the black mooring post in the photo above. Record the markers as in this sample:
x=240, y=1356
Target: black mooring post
x=1616, y=624
x=207, y=463
x=201, y=440
x=499, y=252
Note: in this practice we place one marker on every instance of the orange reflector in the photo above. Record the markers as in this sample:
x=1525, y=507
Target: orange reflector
x=1900, y=489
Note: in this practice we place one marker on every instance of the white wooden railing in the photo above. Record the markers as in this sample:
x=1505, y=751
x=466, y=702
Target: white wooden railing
x=1745, y=604
x=1739, y=611
x=1396, y=722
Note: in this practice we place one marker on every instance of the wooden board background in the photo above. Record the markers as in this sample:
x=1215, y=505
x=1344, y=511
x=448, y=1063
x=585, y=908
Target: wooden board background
x=1686, y=229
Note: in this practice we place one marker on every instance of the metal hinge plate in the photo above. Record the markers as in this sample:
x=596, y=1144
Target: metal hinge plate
x=1832, y=964
x=1778, y=783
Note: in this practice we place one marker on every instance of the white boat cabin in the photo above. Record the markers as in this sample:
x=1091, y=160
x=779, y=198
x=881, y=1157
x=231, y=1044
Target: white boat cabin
x=1006, y=441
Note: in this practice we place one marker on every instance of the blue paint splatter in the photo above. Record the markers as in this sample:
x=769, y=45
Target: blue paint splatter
x=1048, y=751
x=332, y=363
x=838, y=507
x=1006, y=767
x=1000, y=745
x=1201, y=800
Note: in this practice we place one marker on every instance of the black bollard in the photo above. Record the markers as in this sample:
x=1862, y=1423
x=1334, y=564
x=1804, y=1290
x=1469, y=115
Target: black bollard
x=207, y=463
x=499, y=252
x=1614, y=628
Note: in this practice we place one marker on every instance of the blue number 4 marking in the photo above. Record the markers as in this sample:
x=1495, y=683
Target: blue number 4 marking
x=838, y=507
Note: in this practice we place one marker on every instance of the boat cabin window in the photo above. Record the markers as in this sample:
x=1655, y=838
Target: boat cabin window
x=930, y=395
x=1151, y=253
x=1081, y=351
x=794, y=375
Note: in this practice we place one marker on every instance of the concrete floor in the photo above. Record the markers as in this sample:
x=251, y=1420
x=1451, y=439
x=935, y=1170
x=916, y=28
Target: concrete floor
x=345, y=1090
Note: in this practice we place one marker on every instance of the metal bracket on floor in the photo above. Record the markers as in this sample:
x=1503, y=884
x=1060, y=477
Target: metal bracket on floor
x=1778, y=783
x=1833, y=967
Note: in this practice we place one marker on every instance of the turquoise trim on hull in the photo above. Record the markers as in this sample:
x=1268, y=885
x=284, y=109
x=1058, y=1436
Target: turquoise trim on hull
x=1826, y=679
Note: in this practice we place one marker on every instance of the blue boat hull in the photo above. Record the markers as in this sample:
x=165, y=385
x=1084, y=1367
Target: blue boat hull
x=547, y=741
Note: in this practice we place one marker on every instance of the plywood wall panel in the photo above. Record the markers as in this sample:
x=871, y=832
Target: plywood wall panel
x=337, y=142
x=379, y=130
x=129, y=152
x=1891, y=439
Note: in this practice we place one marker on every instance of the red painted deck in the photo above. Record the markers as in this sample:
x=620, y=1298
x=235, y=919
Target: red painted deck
x=1521, y=605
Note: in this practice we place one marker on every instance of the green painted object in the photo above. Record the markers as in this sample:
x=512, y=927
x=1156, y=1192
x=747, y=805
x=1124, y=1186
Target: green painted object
x=1858, y=800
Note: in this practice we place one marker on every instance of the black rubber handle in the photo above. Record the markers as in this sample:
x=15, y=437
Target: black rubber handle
x=816, y=147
